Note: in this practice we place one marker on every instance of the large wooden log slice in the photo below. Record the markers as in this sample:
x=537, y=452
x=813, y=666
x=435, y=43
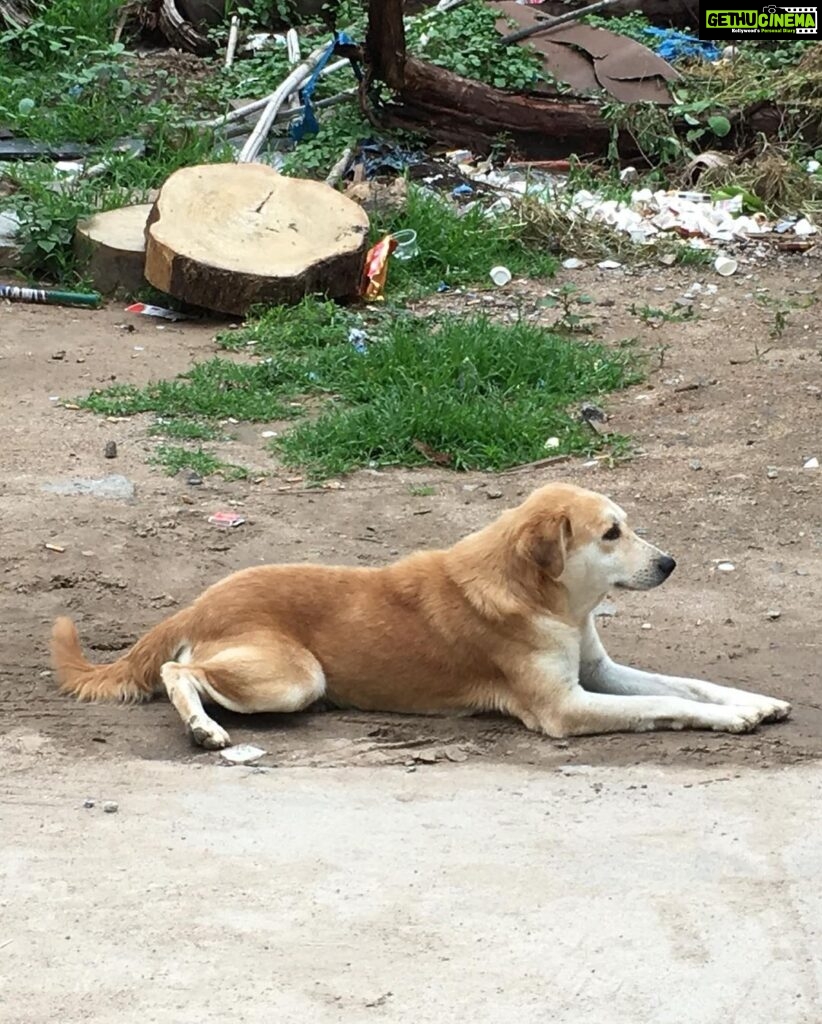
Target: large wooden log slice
x=227, y=236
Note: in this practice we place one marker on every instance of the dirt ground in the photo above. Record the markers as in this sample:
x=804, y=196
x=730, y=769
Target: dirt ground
x=725, y=422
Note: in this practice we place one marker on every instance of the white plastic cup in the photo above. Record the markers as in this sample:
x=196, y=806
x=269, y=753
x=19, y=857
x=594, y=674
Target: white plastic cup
x=501, y=276
x=406, y=244
x=725, y=266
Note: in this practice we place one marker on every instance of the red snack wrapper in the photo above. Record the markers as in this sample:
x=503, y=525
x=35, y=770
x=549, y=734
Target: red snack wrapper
x=376, y=268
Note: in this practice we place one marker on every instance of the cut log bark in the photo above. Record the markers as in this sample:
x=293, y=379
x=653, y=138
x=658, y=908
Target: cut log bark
x=111, y=248
x=463, y=113
x=228, y=236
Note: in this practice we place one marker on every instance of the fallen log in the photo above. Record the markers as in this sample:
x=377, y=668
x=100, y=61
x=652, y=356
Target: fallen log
x=228, y=236
x=460, y=112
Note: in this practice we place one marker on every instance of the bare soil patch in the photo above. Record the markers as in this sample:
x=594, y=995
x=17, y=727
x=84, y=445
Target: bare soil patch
x=747, y=422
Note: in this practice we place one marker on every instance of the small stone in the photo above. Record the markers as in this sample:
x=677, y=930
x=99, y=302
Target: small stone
x=194, y=480
x=492, y=495
x=772, y=473
x=110, y=450
x=88, y=803
x=243, y=753
x=695, y=465
x=59, y=356
x=726, y=567
x=552, y=442
x=773, y=614
x=646, y=625
x=811, y=463
x=111, y=807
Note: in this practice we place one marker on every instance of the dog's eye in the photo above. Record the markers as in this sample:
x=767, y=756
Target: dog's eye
x=613, y=534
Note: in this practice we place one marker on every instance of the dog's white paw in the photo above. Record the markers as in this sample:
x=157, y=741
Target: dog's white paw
x=207, y=733
x=737, y=719
x=775, y=710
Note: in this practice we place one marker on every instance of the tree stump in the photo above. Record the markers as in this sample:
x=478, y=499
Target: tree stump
x=111, y=248
x=228, y=236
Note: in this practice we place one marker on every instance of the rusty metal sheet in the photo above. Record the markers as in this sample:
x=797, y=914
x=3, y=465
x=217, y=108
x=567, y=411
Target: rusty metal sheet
x=589, y=58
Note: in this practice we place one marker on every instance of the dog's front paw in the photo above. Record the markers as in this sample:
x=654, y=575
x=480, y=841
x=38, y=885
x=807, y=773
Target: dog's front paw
x=738, y=719
x=775, y=710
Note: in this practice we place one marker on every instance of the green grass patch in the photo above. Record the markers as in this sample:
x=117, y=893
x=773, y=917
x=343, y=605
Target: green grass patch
x=481, y=395
x=174, y=458
x=218, y=389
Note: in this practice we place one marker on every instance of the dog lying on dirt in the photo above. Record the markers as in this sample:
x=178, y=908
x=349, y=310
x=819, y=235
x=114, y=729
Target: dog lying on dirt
x=502, y=621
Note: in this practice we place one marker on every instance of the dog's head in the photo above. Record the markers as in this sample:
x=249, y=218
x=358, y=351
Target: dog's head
x=581, y=540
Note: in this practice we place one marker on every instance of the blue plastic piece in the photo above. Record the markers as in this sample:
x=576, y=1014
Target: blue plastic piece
x=673, y=46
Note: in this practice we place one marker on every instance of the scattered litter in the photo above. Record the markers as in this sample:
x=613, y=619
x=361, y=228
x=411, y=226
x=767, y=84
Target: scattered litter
x=49, y=296
x=572, y=263
x=804, y=227
x=443, y=287
x=672, y=45
x=812, y=463
x=725, y=266
x=271, y=433
x=358, y=339
x=690, y=215
x=552, y=442
x=110, y=450
x=116, y=487
x=376, y=268
x=228, y=520
x=646, y=625
x=462, y=190
x=406, y=244
x=501, y=276
x=111, y=807
x=726, y=566
x=145, y=309
x=243, y=753
x=55, y=547
x=609, y=265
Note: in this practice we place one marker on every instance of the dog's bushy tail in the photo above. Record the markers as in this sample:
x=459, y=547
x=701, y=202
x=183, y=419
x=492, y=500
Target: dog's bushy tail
x=134, y=677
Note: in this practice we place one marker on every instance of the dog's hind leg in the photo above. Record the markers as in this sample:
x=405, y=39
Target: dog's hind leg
x=184, y=684
x=245, y=674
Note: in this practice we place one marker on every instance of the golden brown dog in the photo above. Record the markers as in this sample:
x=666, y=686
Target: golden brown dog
x=500, y=621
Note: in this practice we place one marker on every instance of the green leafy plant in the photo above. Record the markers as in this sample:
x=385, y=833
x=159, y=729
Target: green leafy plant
x=569, y=300
x=466, y=41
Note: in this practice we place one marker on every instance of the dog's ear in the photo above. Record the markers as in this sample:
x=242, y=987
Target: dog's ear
x=544, y=541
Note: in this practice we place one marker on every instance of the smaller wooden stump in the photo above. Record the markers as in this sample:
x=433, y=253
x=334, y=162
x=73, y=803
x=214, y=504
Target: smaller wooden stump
x=111, y=248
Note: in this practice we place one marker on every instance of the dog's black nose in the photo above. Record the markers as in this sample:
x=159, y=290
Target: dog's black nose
x=666, y=564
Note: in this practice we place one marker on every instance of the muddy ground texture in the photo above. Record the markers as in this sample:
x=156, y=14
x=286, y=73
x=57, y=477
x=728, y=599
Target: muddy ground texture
x=725, y=422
